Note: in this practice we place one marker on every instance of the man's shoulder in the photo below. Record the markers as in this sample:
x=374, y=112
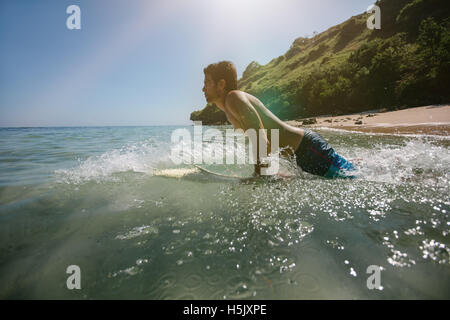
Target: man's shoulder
x=234, y=95
x=239, y=101
x=234, y=99
x=238, y=97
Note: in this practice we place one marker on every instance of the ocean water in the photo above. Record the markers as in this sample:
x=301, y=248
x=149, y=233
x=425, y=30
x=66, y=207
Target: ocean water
x=88, y=197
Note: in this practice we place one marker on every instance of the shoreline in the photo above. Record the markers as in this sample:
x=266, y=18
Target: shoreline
x=429, y=120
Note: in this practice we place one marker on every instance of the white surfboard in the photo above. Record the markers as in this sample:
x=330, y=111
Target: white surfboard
x=218, y=174
x=175, y=172
x=191, y=172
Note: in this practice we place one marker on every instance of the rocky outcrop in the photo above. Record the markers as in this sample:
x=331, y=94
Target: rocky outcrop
x=210, y=115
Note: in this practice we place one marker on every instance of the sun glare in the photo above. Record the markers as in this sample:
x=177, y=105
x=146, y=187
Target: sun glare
x=242, y=11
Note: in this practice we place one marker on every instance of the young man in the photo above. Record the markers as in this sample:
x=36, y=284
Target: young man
x=244, y=111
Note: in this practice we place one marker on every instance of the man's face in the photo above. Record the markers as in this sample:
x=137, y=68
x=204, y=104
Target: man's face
x=210, y=89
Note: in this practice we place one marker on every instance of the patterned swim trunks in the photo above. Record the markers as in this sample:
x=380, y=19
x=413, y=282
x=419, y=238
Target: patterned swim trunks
x=316, y=156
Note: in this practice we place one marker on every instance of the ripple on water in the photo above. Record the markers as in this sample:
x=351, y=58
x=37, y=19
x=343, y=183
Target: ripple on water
x=192, y=282
x=186, y=296
x=137, y=232
x=161, y=287
x=307, y=282
x=166, y=296
x=237, y=287
x=214, y=279
x=167, y=281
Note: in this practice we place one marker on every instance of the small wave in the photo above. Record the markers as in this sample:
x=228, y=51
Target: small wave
x=144, y=157
x=140, y=158
x=138, y=231
x=416, y=161
x=403, y=160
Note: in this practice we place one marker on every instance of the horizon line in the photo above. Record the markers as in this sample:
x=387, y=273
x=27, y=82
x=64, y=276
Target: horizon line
x=98, y=126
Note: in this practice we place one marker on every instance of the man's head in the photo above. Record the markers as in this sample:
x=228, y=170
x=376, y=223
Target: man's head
x=220, y=78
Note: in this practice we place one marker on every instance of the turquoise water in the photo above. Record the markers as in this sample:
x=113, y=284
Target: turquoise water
x=87, y=197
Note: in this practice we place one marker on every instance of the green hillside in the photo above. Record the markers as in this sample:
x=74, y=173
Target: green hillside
x=350, y=68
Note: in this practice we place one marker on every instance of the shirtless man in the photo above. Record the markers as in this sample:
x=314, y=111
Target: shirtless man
x=244, y=111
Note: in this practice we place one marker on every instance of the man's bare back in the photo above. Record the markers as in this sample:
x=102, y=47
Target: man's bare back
x=289, y=137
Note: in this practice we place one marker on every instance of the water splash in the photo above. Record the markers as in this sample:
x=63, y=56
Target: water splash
x=138, y=158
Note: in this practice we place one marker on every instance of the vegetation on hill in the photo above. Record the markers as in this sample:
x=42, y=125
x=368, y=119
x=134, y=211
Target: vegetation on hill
x=350, y=68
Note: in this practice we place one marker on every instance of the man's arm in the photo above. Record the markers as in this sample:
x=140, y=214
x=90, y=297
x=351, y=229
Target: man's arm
x=243, y=115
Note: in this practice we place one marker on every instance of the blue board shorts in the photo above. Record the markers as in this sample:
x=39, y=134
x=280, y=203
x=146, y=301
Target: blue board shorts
x=316, y=156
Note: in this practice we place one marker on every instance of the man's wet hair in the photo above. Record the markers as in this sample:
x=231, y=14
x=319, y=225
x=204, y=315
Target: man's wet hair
x=223, y=70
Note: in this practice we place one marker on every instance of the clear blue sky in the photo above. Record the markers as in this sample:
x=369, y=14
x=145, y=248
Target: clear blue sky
x=139, y=62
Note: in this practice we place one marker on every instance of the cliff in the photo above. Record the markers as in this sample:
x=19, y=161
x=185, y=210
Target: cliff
x=210, y=115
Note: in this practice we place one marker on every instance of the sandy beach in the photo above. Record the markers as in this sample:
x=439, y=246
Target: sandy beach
x=433, y=120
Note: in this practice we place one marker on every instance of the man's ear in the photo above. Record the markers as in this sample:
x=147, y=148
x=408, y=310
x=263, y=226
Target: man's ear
x=222, y=84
